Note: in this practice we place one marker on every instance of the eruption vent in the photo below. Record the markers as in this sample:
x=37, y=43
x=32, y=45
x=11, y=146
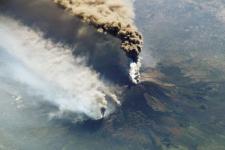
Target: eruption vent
x=110, y=16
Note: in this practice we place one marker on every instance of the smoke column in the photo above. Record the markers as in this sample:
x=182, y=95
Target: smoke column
x=114, y=17
x=57, y=76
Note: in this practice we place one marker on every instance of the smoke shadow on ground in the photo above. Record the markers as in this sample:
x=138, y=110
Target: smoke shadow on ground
x=102, y=52
x=138, y=122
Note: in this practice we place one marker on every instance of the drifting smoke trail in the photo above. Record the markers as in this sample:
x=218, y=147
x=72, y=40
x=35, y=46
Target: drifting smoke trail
x=114, y=17
x=60, y=78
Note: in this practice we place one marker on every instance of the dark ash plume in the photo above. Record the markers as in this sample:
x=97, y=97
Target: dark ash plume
x=113, y=17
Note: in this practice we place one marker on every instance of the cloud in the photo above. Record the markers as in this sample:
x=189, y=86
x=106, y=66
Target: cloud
x=55, y=73
x=114, y=17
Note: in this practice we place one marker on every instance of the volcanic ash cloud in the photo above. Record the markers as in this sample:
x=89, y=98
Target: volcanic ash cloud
x=115, y=17
x=54, y=73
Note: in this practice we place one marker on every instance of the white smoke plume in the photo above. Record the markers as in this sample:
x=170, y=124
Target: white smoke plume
x=61, y=78
x=115, y=17
x=134, y=71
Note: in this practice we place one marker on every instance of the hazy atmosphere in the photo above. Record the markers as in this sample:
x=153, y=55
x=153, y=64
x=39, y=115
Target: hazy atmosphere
x=112, y=75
